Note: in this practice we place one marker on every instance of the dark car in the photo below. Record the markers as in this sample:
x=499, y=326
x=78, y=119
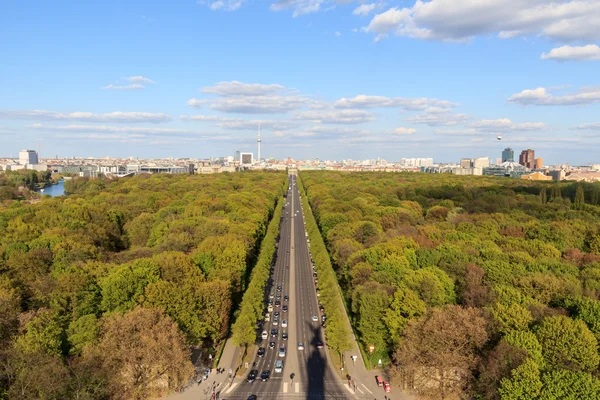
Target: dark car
x=252, y=397
x=321, y=308
x=277, y=303
x=286, y=297
x=285, y=308
x=274, y=332
x=265, y=375
x=319, y=344
x=284, y=336
x=279, y=288
x=261, y=351
x=252, y=376
x=271, y=345
x=323, y=318
x=314, y=274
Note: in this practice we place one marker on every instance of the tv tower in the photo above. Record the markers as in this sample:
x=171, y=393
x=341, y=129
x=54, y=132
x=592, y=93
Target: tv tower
x=258, y=141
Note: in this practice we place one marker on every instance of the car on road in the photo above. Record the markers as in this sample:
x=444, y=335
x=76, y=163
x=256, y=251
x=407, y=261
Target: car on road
x=323, y=318
x=284, y=335
x=321, y=308
x=265, y=335
x=271, y=345
x=274, y=332
x=276, y=314
x=278, y=296
x=279, y=288
x=300, y=346
x=387, y=387
x=319, y=344
x=284, y=308
x=252, y=376
x=315, y=318
x=252, y=397
x=278, y=302
x=275, y=321
x=286, y=297
x=279, y=366
x=267, y=317
x=282, y=351
x=270, y=308
x=265, y=375
x=260, y=352
x=284, y=323
x=271, y=295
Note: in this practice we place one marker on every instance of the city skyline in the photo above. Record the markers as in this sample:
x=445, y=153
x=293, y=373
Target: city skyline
x=324, y=80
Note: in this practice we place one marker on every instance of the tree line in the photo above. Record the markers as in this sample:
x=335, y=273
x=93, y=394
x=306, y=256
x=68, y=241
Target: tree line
x=468, y=287
x=21, y=184
x=103, y=293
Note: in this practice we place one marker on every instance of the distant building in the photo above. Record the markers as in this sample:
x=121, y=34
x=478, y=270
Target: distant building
x=558, y=174
x=465, y=163
x=508, y=168
x=536, y=176
x=246, y=158
x=28, y=157
x=527, y=158
x=468, y=171
x=539, y=163
x=237, y=156
x=481, y=162
x=508, y=154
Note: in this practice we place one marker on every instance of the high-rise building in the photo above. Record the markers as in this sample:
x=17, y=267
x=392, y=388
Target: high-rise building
x=527, y=158
x=246, y=158
x=508, y=154
x=465, y=163
x=28, y=157
x=237, y=156
x=539, y=163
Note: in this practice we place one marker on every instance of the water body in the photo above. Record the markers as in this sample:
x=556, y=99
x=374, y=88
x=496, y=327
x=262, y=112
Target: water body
x=55, y=190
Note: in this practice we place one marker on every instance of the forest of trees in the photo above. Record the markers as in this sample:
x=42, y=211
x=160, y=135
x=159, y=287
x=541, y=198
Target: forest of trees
x=468, y=287
x=21, y=184
x=103, y=293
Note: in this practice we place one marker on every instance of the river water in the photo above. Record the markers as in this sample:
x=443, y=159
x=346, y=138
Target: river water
x=55, y=190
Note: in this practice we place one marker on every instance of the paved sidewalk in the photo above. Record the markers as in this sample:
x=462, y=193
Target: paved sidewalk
x=230, y=360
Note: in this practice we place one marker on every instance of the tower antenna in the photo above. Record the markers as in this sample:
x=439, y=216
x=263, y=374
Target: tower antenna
x=258, y=141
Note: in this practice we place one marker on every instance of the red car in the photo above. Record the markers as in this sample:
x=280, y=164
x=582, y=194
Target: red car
x=387, y=387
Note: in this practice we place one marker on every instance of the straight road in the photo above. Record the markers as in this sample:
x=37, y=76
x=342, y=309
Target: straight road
x=306, y=373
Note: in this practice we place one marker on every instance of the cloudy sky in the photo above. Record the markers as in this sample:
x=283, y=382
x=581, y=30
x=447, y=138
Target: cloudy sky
x=332, y=79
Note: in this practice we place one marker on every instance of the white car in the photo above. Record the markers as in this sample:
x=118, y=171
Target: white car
x=315, y=318
x=284, y=323
x=265, y=335
x=300, y=346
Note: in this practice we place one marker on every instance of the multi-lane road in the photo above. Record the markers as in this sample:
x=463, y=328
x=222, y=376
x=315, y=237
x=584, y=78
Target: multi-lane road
x=306, y=372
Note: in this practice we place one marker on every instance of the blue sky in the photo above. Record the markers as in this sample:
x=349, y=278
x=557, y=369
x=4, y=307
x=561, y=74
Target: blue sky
x=326, y=79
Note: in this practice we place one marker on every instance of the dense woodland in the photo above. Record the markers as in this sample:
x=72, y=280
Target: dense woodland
x=21, y=184
x=468, y=287
x=104, y=293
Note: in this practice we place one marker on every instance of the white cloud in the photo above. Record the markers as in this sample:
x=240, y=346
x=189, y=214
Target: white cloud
x=364, y=9
x=196, y=103
x=460, y=20
x=412, y=104
x=118, y=116
x=242, y=124
x=235, y=88
x=505, y=124
x=541, y=97
x=139, y=79
x=259, y=104
x=593, y=126
x=404, y=131
x=227, y=5
x=439, y=119
x=338, y=34
x=125, y=130
x=336, y=116
x=459, y=132
x=134, y=86
x=591, y=52
x=300, y=7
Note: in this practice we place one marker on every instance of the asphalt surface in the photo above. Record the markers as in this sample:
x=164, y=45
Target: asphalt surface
x=306, y=373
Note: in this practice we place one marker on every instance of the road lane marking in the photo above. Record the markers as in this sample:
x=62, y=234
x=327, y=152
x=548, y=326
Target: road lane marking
x=360, y=390
x=366, y=388
x=297, y=387
x=285, y=387
x=231, y=388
